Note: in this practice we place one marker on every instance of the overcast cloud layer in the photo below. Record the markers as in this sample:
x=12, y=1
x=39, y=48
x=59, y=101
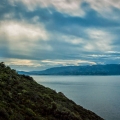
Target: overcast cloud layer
x=39, y=34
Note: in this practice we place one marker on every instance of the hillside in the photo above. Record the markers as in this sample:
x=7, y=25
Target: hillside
x=110, y=69
x=21, y=98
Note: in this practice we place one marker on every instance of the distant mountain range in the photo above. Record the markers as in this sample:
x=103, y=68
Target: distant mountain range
x=109, y=69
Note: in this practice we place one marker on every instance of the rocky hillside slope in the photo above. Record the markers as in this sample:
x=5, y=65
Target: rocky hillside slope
x=21, y=98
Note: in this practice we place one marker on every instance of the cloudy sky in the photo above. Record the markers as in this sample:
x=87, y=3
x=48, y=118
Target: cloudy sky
x=39, y=34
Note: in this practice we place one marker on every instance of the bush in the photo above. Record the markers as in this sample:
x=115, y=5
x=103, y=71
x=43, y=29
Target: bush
x=16, y=116
x=30, y=112
x=3, y=113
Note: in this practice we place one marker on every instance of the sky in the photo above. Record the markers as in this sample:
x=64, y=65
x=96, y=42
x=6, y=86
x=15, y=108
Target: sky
x=40, y=34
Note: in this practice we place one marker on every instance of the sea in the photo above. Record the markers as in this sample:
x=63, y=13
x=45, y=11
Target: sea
x=100, y=94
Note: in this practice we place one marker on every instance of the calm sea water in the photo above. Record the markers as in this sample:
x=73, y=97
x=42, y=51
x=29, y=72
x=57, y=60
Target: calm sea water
x=100, y=94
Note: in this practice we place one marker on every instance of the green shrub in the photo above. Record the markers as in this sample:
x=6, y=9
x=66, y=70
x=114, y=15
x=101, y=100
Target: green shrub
x=30, y=112
x=3, y=113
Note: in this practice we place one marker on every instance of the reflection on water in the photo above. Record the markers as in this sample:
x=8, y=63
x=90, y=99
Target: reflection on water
x=97, y=93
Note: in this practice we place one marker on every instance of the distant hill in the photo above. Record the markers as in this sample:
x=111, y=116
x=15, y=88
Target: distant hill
x=110, y=69
x=21, y=98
